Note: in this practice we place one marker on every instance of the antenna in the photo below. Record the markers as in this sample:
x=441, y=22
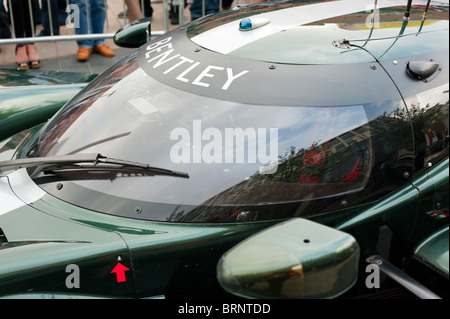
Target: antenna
x=424, y=16
x=408, y=10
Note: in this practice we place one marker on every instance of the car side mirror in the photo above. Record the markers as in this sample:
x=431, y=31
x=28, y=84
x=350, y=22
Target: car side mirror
x=133, y=34
x=295, y=259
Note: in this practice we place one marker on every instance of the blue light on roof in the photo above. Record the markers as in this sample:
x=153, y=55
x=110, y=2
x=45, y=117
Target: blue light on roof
x=245, y=24
x=248, y=24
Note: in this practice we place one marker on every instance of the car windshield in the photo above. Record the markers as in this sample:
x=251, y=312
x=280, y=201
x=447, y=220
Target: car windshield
x=245, y=161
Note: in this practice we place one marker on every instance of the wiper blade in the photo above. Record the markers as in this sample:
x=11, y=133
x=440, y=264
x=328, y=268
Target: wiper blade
x=94, y=161
x=57, y=160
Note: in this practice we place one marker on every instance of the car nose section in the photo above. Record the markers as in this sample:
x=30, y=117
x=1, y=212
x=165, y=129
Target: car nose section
x=295, y=259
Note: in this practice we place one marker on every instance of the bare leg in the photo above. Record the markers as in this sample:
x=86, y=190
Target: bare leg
x=22, y=57
x=35, y=62
x=134, y=10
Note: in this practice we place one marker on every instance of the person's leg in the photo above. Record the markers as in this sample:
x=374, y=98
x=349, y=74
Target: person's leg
x=29, y=18
x=46, y=13
x=18, y=23
x=98, y=16
x=5, y=31
x=97, y=11
x=148, y=9
x=30, y=27
x=196, y=8
x=22, y=61
x=134, y=10
x=212, y=6
x=33, y=56
x=83, y=28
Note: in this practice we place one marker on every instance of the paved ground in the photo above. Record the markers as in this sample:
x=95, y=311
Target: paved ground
x=61, y=55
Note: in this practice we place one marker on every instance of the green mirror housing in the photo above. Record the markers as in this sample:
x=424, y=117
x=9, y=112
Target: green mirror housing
x=133, y=34
x=298, y=258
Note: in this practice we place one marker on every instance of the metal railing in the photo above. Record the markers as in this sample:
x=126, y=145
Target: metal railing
x=89, y=36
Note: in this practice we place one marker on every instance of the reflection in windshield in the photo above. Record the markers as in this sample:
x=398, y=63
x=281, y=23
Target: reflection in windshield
x=383, y=32
x=326, y=157
x=79, y=104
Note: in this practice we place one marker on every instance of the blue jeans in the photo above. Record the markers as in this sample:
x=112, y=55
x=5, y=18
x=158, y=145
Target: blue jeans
x=97, y=16
x=211, y=6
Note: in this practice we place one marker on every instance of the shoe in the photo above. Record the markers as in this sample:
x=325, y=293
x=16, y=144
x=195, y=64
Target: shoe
x=83, y=54
x=123, y=14
x=22, y=64
x=34, y=61
x=35, y=64
x=104, y=50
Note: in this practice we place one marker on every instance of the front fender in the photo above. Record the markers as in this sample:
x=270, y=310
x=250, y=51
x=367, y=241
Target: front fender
x=28, y=106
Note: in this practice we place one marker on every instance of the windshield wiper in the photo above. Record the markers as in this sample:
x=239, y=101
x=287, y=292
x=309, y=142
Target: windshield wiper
x=91, y=162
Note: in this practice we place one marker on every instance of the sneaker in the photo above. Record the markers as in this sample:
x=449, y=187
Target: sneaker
x=104, y=50
x=83, y=54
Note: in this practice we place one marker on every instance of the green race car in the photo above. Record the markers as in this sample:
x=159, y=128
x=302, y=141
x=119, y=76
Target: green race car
x=288, y=149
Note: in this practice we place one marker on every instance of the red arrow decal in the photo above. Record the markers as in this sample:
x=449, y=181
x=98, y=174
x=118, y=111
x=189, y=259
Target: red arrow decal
x=120, y=272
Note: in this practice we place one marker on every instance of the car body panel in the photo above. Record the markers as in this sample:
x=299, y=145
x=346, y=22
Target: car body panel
x=293, y=259
x=32, y=261
x=433, y=251
x=407, y=211
x=154, y=251
x=31, y=97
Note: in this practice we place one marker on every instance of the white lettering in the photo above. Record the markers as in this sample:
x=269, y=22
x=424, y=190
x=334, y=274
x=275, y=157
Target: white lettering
x=158, y=49
x=231, y=78
x=206, y=74
x=165, y=53
x=272, y=157
x=373, y=279
x=195, y=309
x=183, y=60
x=245, y=308
x=239, y=135
x=197, y=141
x=73, y=280
x=163, y=58
x=180, y=152
x=212, y=152
x=157, y=44
x=189, y=69
x=238, y=146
